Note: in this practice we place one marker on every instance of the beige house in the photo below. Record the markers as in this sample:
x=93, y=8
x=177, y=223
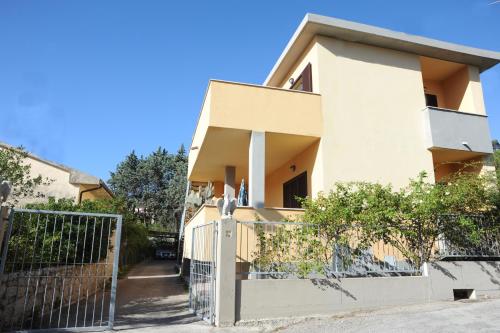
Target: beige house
x=64, y=182
x=344, y=102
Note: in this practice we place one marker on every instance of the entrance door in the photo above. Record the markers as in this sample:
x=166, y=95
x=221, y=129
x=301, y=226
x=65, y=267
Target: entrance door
x=295, y=187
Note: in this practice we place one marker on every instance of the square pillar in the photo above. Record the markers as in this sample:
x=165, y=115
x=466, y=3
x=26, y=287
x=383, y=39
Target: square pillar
x=257, y=169
x=229, y=176
x=225, y=281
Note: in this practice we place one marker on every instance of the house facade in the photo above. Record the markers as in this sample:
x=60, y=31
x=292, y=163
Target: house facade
x=63, y=181
x=344, y=102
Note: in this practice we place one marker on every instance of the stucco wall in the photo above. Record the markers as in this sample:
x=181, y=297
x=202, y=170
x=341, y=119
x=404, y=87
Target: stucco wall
x=262, y=299
x=305, y=161
x=208, y=213
x=59, y=186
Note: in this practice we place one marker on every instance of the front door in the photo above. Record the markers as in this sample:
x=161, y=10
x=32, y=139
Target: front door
x=295, y=187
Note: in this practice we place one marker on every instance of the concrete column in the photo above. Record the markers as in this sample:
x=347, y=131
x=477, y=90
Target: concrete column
x=257, y=169
x=225, y=299
x=229, y=176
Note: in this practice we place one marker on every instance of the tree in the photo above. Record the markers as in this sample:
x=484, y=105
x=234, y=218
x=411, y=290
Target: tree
x=153, y=186
x=14, y=169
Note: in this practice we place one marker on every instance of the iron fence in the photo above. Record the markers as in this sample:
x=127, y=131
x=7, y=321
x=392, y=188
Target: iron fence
x=59, y=270
x=484, y=245
x=284, y=250
x=202, y=271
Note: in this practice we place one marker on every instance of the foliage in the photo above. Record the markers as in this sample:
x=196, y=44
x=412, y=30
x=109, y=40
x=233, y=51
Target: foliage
x=60, y=237
x=154, y=186
x=354, y=216
x=14, y=169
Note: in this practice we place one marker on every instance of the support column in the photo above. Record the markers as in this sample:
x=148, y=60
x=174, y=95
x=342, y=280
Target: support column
x=229, y=187
x=257, y=169
x=225, y=299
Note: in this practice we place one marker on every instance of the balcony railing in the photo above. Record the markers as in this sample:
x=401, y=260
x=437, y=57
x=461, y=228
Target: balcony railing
x=448, y=129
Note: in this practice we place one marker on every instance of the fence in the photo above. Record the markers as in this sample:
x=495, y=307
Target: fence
x=59, y=270
x=202, y=271
x=486, y=245
x=296, y=250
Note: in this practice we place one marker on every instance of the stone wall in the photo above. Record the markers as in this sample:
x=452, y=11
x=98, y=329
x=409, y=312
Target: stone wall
x=25, y=295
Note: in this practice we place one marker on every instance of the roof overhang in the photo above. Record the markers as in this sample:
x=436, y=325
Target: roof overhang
x=313, y=25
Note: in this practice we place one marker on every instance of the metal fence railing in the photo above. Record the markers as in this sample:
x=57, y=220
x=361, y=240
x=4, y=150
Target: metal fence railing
x=202, y=271
x=283, y=250
x=59, y=270
x=486, y=244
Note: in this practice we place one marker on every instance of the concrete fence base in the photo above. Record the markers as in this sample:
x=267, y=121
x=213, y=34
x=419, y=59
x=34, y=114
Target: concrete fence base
x=265, y=299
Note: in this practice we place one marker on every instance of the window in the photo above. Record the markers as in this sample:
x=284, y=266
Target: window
x=295, y=187
x=304, y=81
x=431, y=100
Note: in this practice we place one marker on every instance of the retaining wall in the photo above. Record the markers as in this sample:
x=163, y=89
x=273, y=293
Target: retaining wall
x=262, y=299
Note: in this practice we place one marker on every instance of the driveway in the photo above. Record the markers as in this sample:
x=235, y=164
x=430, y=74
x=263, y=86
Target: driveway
x=461, y=316
x=152, y=294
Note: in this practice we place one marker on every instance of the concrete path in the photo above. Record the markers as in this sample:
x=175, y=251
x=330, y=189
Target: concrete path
x=152, y=299
x=461, y=316
x=152, y=295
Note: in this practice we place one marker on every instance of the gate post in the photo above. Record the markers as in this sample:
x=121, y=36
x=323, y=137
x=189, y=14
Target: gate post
x=225, y=298
x=4, y=218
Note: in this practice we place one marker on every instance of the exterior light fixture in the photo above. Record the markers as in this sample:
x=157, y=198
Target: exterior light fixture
x=293, y=167
x=291, y=80
x=195, y=147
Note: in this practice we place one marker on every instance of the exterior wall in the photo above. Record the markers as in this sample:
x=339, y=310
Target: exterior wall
x=371, y=101
x=210, y=213
x=305, y=161
x=58, y=188
x=262, y=299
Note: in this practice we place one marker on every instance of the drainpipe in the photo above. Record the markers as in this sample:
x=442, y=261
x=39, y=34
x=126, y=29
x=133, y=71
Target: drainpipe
x=88, y=190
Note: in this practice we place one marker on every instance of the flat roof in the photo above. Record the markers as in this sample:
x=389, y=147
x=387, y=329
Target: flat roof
x=314, y=24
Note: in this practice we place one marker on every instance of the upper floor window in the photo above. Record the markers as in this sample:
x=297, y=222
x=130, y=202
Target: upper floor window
x=304, y=81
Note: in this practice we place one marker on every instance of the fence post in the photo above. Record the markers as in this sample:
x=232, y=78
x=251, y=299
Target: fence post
x=4, y=218
x=225, y=281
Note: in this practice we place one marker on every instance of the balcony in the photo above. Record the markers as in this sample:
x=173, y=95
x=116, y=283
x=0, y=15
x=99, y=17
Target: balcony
x=465, y=133
x=292, y=121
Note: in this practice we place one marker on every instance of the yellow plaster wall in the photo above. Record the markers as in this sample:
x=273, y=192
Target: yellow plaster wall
x=371, y=102
x=435, y=88
x=210, y=213
x=264, y=109
x=305, y=161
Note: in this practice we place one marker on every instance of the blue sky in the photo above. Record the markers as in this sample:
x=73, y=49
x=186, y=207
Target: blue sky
x=85, y=82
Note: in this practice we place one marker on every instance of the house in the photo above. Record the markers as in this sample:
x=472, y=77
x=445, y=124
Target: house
x=64, y=182
x=344, y=102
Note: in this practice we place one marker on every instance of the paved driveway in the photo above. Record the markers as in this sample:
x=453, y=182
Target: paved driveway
x=152, y=299
x=152, y=294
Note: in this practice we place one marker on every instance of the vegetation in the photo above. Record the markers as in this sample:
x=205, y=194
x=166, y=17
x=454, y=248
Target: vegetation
x=59, y=234
x=153, y=187
x=354, y=216
x=18, y=173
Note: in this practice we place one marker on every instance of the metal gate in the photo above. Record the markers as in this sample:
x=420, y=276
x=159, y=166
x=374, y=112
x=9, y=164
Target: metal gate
x=58, y=271
x=202, y=271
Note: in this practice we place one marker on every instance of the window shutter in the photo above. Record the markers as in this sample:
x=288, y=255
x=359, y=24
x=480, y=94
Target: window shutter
x=307, y=78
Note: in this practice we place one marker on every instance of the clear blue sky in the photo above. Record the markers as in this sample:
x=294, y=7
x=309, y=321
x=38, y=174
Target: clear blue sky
x=85, y=82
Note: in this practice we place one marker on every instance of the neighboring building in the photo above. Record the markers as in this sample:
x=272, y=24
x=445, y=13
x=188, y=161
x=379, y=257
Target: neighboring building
x=344, y=102
x=65, y=182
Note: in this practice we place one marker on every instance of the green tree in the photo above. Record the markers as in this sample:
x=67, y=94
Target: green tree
x=14, y=169
x=153, y=186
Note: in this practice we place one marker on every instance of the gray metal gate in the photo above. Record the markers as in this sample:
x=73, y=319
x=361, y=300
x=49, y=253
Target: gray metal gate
x=202, y=271
x=58, y=271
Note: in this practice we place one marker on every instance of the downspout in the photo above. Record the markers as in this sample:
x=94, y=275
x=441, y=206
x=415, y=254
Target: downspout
x=88, y=190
